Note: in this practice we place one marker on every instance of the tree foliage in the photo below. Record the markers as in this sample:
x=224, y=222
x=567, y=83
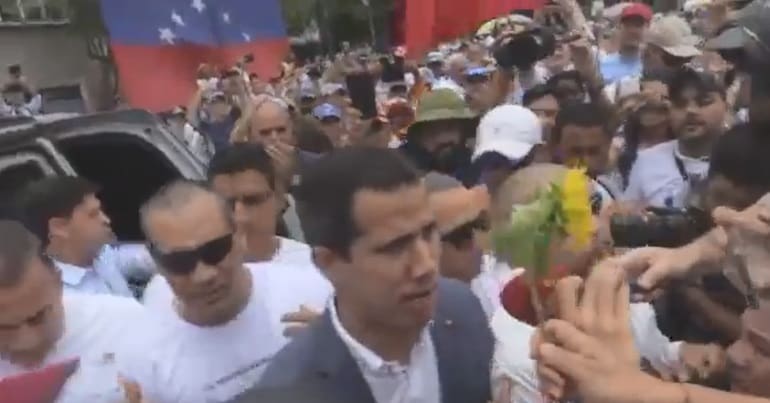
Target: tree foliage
x=343, y=20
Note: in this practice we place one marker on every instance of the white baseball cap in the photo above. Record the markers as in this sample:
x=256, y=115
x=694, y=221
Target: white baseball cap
x=510, y=130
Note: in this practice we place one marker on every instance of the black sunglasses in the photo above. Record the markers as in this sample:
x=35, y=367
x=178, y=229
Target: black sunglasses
x=464, y=234
x=183, y=262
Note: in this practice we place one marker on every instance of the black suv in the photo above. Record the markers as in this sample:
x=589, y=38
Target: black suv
x=129, y=154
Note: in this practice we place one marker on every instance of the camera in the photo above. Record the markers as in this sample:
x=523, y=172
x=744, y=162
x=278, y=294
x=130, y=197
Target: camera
x=661, y=227
x=525, y=48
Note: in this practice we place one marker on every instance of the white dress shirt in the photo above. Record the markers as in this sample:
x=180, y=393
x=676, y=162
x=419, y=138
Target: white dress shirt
x=393, y=382
x=102, y=332
x=110, y=271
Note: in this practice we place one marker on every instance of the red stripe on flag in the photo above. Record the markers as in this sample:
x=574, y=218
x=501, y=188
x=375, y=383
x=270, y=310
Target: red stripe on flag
x=429, y=22
x=157, y=78
x=420, y=20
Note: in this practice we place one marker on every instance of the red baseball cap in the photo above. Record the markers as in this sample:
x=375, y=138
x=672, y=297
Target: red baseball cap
x=637, y=10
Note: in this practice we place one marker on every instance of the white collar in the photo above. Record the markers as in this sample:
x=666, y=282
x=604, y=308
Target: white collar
x=683, y=157
x=71, y=275
x=364, y=356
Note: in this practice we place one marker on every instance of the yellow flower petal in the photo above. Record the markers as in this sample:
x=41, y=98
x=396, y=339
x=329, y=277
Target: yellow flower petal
x=576, y=204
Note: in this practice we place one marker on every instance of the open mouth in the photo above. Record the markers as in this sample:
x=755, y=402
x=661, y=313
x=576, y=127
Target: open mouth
x=420, y=295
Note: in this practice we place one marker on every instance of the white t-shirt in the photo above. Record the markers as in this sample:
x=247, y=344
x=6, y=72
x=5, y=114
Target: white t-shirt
x=193, y=364
x=294, y=253
x=656, y=180
x=104, y=332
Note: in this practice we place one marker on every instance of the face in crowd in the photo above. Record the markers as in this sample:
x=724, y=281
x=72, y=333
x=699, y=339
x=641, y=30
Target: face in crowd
x=546, y=108
x=441, y=139
x=697, y=113
x=87, y=229
x=383, y=262
x=631, y=33
x=392, y=267
x=219, y=108
x=244, y=177
x=271, y=123
x=193, y=242
x=334, y=129
x=31, y=310
x=581, y=139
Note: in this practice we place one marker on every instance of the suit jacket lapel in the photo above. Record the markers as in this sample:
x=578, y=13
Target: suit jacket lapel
x=450, y=378
x=334, y=364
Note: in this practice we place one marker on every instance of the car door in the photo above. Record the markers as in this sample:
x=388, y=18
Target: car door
x=129, y=155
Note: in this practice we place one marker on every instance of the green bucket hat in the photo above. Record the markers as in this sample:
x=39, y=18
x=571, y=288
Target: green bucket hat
x=441, y=104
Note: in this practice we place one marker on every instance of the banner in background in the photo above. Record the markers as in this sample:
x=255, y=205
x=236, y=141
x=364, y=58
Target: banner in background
x=158, y=45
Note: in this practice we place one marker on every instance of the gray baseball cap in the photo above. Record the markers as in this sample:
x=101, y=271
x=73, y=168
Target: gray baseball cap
x=749, y=29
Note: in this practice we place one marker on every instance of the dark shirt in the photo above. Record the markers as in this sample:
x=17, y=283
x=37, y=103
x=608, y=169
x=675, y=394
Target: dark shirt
x=219, y=131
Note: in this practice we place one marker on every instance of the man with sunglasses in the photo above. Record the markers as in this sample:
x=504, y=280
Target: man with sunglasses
x=244, y=176
x=461, y=215
x=214, y=338
x=42, y=327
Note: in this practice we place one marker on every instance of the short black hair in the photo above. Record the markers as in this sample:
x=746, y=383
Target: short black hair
x=327, y=189
x=53, y=197
x=567, y=75
x=742, y=158
x=242, y=157
x=537, y=92
x=581, y=114
x=702, y=81
x=17, y=247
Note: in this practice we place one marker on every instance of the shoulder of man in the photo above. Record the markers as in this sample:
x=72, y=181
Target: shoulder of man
x=657, y=151
x=293, y=362
x=458, y=303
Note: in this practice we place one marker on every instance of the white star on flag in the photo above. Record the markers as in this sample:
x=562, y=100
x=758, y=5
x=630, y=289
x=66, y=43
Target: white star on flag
x=199, y=5
x=177, y=19
x=246, y=36
x=167, y=35
x=226, y=17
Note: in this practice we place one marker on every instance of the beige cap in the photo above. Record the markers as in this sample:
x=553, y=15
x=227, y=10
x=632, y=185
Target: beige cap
x=674, y=35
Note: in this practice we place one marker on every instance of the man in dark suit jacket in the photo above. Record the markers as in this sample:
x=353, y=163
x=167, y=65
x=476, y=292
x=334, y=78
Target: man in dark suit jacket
x=395, y=330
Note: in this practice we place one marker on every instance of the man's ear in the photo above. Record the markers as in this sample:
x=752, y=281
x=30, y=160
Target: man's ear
x=57, y=226
x=327, y=261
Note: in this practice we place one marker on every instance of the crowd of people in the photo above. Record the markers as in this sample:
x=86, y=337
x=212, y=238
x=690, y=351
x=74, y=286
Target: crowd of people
x=341, y=247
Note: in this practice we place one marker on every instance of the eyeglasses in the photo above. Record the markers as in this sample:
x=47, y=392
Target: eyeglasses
x=183, y=262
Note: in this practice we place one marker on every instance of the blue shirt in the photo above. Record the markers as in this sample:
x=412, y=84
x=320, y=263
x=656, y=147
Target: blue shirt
x=110, y=271
x=219, y=131
x=614, y=67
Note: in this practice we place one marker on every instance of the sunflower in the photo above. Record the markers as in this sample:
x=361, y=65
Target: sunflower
x=576, y=207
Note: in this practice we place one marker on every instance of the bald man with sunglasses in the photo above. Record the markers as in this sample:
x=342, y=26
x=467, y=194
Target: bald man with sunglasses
x=215, y=335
